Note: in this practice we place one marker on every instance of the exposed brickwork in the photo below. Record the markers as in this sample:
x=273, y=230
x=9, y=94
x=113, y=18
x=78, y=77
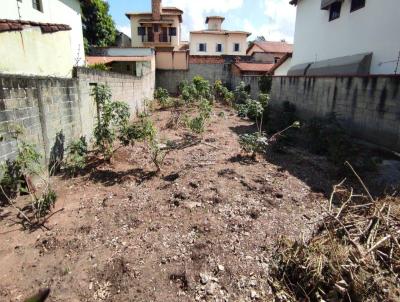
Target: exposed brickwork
x=156, y=9
x=206, y=60
x=17, y=25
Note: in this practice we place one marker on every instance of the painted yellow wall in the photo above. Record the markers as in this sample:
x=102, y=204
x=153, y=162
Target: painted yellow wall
x=227, y=41
x=30, y=52
x=137, y=40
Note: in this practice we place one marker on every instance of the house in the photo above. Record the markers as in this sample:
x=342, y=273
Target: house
x=122, y=40
x=346, y=37
x=51, y=51
x=215, y=41
x=269, y=51
x=281, y=68
x=251, y=68
x=126, y=60
x=160, y=29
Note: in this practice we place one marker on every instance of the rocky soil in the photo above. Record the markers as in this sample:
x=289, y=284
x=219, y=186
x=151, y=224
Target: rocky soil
x=203, y=230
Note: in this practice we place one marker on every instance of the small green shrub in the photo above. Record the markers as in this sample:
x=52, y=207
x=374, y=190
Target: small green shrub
x=76, y=159
x=140, y=131
x=253, y=143
x=203, y=88
x=265, y=84
x=252, y=109
x=242, y=93
x=197, y=124
x=112, y=117
x=43, y=204
x=162, y=96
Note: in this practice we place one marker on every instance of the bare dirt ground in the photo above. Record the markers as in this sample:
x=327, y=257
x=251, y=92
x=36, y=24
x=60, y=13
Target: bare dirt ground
x=204, y=230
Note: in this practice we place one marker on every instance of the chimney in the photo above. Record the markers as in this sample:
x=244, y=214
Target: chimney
x=156, y=9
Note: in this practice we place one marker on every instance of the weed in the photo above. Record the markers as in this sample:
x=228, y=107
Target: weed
x=76, y=159
x=265, y=84
x=113, y=117
x=242, y=93
x=162, y=96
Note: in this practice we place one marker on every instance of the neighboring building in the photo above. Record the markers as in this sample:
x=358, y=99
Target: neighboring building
x=131, y=61
x=66, y=12
x=346, y=37
x=281, y=68
x=254, y=69
x=216, y=41
x=160, y=29
x=269, y=51
x=122, y=40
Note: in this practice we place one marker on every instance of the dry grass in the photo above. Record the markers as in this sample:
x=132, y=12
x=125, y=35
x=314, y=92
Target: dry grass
x=354, y=254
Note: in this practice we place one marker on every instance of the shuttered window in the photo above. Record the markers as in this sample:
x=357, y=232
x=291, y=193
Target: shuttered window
x=37, y=4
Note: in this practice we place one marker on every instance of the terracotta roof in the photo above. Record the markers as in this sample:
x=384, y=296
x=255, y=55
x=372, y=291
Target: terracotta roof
x=280, y=62
x=220, y=32
x=18, y=25
x=256, y=67
x=214, y=17
x=273, y=47
x=107, y=60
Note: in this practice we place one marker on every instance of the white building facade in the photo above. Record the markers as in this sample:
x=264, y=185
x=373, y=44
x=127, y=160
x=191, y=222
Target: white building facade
x=66, y=12
x=216, y=41
x=345, y=33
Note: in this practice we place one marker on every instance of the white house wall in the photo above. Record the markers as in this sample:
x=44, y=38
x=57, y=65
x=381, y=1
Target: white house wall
x=54, y=11
x=374, y=28
x=284, y=68
x=212, y=40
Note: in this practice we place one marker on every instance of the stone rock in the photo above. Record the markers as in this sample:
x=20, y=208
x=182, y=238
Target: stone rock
x=204, y=278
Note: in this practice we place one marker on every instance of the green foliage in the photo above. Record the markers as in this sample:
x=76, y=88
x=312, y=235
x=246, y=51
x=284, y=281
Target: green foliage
x=162, y=96
x=26, y=164
x=242, y=93
x=222, y=93
x=253, y=143
x=113, y=118
x=197, y=124
x=76, y=159
x=265, y=84
x=252, y=109
x=197, y=90
x=158, y=152
x=205, y=109
x=327, y=137
x=98, y=26
x=43, y=204
x=99, y=66
x=140, y=131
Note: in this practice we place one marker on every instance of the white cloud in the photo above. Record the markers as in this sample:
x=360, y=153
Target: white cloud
x=279, y=23
x=195, y=11
x=126, y=29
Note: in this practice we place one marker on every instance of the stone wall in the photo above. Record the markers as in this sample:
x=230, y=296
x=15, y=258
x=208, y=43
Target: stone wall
x=368, y=107
x=54, y=111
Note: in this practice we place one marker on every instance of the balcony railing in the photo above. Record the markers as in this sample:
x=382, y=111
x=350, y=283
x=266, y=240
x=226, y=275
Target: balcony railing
x=152, y=39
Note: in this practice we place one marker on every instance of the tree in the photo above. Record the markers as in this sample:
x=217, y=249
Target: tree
x=258, y=39
x=98, y=26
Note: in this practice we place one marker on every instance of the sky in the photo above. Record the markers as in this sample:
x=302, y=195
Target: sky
x=273, y=19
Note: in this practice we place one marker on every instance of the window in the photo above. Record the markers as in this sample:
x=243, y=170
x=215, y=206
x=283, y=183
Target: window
x=37, y=4
x=276, y=59
x=203, y=47
x=141, y=31
x=219, y=48
x=172, y=31
x=236, y=47
x=356, y=5
x=156, y=28
x=334, y=12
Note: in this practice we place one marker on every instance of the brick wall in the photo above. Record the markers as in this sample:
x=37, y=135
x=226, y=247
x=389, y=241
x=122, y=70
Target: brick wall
x=54, y=111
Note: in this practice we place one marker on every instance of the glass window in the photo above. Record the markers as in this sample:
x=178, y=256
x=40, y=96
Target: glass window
x=236, y=47
x=203, y=47
x=334, y=12
x=356, y=5
x=219, y=47
x=37, y=4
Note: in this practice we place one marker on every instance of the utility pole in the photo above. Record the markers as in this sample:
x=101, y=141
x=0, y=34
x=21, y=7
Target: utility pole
x=397, y=65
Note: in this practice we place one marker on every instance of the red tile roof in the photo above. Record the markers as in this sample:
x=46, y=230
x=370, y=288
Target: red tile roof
x=255, y=67
x=274, y=47
x=18, y=25
x=107, y=60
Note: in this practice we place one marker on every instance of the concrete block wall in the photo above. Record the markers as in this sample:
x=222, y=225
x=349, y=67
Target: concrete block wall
x=170, y=79
x=54, y=111
x=368, y=107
